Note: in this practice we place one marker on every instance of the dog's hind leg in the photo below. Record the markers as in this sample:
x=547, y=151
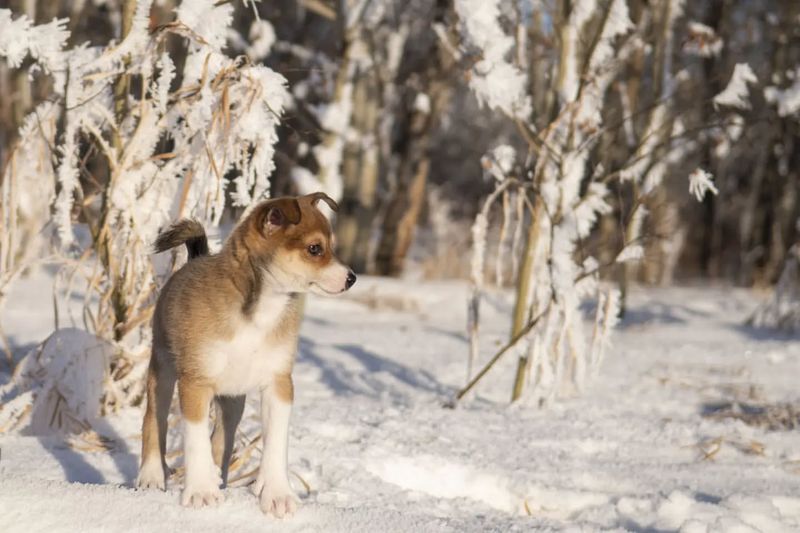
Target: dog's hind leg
x=160, y=386
x=229, y=414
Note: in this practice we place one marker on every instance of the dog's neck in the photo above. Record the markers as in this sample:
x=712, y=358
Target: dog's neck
x=268, y=306
x=251, y=270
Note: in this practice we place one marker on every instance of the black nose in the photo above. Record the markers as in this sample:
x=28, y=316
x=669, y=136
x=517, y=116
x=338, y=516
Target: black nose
x=351, y=279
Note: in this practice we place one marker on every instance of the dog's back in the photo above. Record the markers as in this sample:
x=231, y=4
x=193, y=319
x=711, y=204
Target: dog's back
x=194, y=297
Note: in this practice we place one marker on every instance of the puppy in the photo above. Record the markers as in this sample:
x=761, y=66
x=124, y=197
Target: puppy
x=227, y=324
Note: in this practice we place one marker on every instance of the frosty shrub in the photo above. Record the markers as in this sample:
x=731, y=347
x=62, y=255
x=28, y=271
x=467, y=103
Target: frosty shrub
x=570, y=176
x=169, y=149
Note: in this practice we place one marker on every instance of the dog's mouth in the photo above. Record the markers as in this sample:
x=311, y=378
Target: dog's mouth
x=315, y=285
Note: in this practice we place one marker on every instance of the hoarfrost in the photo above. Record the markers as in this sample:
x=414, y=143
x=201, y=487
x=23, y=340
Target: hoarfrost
x=496, y=83
x=736, y=93
x=700, y=182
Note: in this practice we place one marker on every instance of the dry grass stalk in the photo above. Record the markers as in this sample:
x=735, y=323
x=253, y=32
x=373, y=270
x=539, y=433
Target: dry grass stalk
x=710, y=448
x=792, y=466
x=527, y=508
x=91, y=441
x=243, y=479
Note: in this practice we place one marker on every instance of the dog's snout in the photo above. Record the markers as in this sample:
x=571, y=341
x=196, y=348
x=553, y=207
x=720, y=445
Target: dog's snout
x=351, y=279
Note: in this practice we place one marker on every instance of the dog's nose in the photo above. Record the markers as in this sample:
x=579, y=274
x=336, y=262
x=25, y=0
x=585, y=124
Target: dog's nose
x=351, y=279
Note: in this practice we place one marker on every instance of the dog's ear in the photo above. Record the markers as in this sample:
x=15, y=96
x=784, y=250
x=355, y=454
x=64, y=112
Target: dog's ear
x=280, y=213
x=317, y=196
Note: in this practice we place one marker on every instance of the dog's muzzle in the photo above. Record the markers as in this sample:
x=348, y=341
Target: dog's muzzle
x=350, y=281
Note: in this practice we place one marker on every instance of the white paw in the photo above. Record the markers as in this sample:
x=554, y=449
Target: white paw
x=151, y=476
x=276, y=497
x=202, y=491
x=201, y=497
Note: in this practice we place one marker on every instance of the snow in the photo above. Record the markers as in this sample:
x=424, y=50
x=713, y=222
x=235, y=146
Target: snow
x=788, y=100
x=700, y=182
x=262, y=37
x=499, y=162
x=617, y=23
x=19, y=37
x=702, y=41
x=736, y=93
x=631, y=253
x=422, y=103
x=207, y=18
x=68, y=373
x=378, y=451
x=497, y=83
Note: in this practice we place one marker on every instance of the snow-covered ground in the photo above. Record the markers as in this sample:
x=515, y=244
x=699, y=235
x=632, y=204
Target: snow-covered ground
x=377, y=451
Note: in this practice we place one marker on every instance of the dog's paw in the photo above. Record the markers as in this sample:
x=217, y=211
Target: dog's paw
x=200, y=492
x=201, y=497
x=276, y=498
x=281, y=503
x=151, y=476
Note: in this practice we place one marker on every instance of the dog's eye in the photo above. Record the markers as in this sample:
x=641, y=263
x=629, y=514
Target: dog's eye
x=315, y=249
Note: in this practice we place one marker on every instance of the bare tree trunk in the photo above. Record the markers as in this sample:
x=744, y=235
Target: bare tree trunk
x=402, y=213
x=410, y=150
x=522, y=307
x=750, y=223
x=784, y=216
x=360, y=174
x=521, y=303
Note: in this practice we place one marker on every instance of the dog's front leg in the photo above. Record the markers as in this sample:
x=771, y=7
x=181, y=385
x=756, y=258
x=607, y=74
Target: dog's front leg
x=201, y=482
x=272, y=484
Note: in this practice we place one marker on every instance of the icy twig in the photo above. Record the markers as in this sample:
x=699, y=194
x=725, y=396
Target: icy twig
x=496, y=357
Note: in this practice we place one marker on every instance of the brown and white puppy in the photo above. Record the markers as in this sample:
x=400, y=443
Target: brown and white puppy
x=227, y=324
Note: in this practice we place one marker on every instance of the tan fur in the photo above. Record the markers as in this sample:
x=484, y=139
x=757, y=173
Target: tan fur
x=284, y=387
x=209, y=301
x=150, y=432
x=227, y=284
x=160, y=385
x=195, y=400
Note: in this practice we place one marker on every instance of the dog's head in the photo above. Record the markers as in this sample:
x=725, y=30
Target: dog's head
x=297, y=246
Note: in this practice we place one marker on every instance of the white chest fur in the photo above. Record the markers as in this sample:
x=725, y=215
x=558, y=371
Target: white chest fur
x=255, y=354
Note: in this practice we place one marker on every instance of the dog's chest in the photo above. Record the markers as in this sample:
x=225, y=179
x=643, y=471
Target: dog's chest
x=257, y=351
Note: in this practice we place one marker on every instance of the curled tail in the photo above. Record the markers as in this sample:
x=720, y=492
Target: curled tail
x=186, y=231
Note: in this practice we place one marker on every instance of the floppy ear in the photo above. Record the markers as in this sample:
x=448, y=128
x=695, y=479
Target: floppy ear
x=317, y=196
x=280, y=213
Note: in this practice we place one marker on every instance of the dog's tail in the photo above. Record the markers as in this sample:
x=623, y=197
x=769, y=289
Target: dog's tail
x=185, y=231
